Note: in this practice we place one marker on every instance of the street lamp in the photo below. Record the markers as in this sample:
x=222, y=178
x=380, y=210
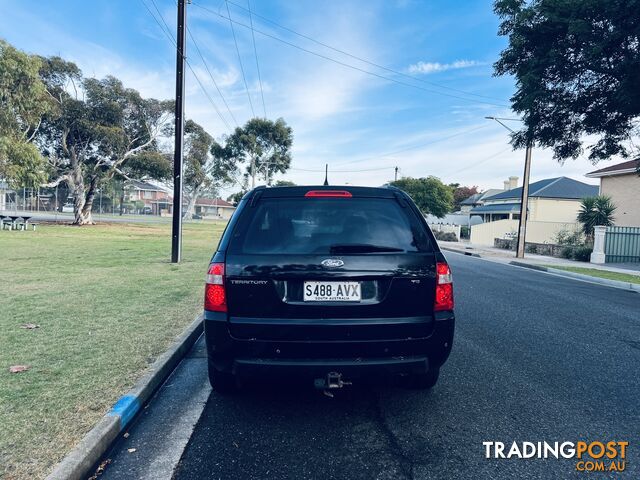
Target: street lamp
x=524, y=198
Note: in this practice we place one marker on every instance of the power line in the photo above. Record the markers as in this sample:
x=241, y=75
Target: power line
x=206, y=66
x=369, y=62
x=413, y=147
x=478, y=163
x=233, y=31
x=347, y=65
x=167, y=32
x=344, y=171
x=255, y=51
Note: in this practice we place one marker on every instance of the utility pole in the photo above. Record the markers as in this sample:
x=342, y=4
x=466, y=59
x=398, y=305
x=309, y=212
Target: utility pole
x=176, y=230
x=253, y=172
x=395, y=177
x=326, y=174
x=524, y=198
x=524, y=202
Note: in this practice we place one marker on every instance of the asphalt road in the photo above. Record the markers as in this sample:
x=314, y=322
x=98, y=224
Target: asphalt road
x=536, y=358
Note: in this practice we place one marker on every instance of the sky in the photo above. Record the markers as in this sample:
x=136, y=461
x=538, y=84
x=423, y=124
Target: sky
x=423, y=111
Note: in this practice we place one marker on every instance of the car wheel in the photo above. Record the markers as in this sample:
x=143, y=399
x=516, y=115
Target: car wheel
x=423, y=381
x=222, y=382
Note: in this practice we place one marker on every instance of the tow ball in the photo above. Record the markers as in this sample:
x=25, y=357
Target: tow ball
x=332, y=381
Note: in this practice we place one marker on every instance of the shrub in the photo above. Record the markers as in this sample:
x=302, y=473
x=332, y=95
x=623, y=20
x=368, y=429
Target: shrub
x=567, y=252
x=445, y=236
x=531, y=248
x=566, y=237
x=582, y=254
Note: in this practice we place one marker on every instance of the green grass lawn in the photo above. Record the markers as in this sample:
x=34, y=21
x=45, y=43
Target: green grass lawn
x=594, y=272
x=107, y=301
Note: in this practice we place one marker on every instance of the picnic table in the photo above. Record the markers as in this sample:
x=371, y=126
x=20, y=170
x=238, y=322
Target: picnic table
x=13, y=219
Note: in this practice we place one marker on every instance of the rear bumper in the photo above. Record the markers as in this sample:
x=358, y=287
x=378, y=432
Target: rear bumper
x=321, y=354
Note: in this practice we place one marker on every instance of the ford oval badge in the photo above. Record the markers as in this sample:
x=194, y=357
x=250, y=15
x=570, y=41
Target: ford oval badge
x=332, y=263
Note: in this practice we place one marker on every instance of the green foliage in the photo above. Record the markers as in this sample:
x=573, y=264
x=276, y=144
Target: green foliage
x=531, y=248
x=569, y=238
x=566, y=252
x=150, y=164
x=21, y=163
x=284, y=183
x=577, y=69
x=265, y=144
x=595, y=211
x=461, y=193
x=582, y=254
x=465, y=232
x=430, y=194
x=23, y=103
x=445, y=236
x=236, y=197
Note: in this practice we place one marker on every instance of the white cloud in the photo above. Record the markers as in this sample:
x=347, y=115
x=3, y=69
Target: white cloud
x=433, y=67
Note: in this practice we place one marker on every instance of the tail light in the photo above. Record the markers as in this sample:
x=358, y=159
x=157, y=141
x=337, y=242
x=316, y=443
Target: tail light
x=215, y=297
x=444, y=288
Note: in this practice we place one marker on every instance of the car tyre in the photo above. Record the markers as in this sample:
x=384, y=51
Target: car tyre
x=423, y=381
x=222, y=382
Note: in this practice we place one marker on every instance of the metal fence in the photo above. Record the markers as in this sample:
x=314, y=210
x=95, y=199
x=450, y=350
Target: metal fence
x=622, y=244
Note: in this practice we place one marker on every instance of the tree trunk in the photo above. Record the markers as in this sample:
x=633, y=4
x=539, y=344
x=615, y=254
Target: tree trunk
x=191, y=206
x=83, y=202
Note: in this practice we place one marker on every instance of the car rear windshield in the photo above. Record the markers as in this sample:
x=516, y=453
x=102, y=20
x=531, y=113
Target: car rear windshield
x=328, y=226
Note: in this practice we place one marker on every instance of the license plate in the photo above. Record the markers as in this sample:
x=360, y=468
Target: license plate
x=331, y=292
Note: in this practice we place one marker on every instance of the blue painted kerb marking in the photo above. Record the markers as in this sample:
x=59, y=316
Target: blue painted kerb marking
x=125, y=408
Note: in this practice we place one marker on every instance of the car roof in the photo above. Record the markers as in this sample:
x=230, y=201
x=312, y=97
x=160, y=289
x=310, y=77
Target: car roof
x=300, y=191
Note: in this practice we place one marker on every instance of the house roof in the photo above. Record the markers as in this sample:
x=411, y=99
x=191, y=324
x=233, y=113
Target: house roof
x=498, y=208
x=560, y=187
x=140, y=185
x=213, y=202
x=630, y=166
x=478, y=197
x=472, y=199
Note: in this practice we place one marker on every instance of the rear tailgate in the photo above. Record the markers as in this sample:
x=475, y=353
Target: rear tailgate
x=281, y=243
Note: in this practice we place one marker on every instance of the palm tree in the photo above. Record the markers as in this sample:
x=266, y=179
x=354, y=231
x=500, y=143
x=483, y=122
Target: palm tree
x=595, y=211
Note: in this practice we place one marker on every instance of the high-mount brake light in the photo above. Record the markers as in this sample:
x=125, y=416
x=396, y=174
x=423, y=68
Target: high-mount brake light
x=215, y=297
x=444, y=288
x=328, y=193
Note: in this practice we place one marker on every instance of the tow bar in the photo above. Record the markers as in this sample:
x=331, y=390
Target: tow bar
x=332, y=381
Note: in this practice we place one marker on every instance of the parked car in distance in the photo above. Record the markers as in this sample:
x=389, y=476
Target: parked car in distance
x=196, y=216
x=327, y=284
x=67, y=208
x=147, y=210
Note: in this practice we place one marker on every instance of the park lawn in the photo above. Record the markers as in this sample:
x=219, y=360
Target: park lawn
x=108, y=302
x=595, y=272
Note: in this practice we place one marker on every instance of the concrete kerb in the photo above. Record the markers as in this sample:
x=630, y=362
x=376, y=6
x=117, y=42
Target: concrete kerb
x=463, y=252
x=78, y=463
x=602, y=281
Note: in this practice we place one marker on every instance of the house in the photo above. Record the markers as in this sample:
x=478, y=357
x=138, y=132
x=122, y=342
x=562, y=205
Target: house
x=157, y=199
x=553, y=206
x=478, y=199
x=550, y=200
x=622, y=183
x=214, y=208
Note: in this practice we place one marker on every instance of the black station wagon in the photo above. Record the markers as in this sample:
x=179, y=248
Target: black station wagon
x=327, y=284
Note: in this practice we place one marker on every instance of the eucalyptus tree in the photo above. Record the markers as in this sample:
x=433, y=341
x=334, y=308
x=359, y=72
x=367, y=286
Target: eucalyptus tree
x=99, y=128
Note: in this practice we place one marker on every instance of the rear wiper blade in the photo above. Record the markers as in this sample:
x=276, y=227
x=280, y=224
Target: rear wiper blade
x=361, y=248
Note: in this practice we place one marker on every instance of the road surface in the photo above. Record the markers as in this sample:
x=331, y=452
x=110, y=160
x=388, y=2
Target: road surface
x=536, y=357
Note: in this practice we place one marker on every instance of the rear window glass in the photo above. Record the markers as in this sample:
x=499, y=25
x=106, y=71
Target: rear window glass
x=328, y=226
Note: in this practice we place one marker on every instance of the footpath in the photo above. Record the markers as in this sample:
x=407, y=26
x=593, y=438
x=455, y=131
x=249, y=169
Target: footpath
x=617, y=272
